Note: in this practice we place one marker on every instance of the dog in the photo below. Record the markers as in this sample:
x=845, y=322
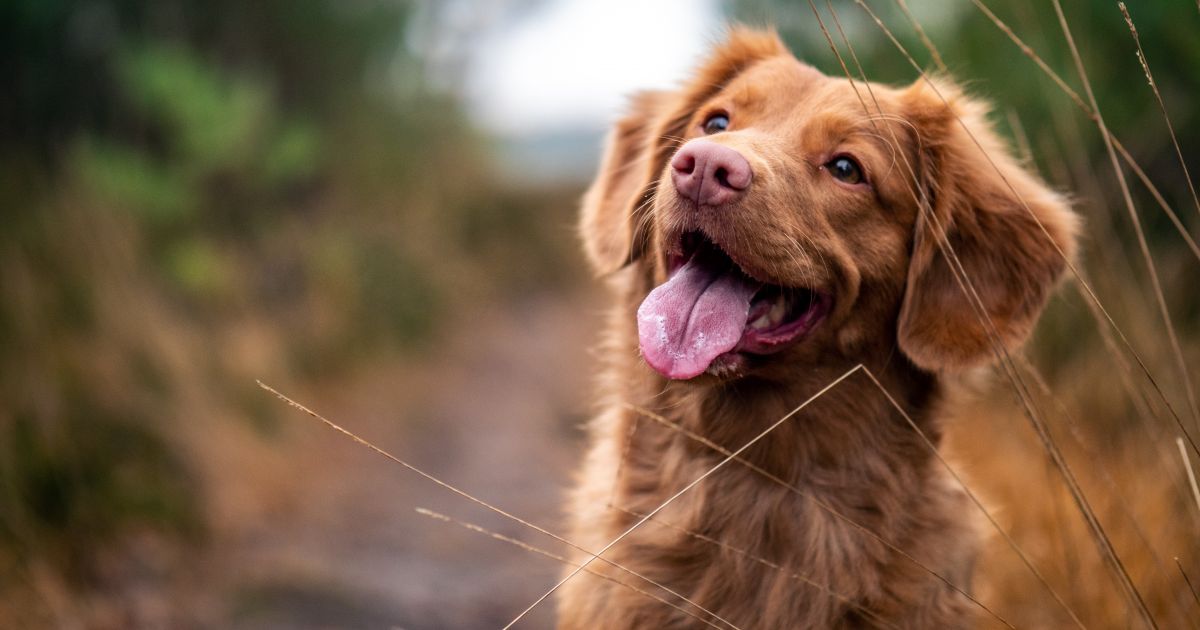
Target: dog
x=764, y=230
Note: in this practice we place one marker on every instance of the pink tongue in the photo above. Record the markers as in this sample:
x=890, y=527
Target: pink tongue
x=694, y=317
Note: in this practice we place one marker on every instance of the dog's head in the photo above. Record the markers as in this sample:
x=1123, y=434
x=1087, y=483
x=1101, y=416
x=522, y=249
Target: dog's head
x=783, y=214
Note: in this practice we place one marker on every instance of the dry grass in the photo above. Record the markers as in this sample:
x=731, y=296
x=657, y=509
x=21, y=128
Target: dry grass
x=1133, y=491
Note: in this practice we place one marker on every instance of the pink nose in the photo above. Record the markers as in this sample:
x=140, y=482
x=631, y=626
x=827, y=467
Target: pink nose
x=710, y=174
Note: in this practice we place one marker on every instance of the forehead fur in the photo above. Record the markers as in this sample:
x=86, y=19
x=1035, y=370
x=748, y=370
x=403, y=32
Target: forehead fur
x=744, y=48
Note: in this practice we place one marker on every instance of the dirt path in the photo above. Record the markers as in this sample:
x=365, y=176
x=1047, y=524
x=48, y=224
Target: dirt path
x=495, y=411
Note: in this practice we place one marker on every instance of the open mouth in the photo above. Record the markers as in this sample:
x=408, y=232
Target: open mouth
x=709, y=310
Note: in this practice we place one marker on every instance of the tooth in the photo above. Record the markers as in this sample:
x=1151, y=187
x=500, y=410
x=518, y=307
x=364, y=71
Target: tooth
x=762, y=322
x=778, y=310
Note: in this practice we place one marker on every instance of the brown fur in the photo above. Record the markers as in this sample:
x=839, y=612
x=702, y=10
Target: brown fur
x=898, y=310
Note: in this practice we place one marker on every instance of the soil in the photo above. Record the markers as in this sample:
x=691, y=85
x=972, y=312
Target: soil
x=496, y=411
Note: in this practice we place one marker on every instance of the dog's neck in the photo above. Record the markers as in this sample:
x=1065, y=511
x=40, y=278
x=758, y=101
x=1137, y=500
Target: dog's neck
x=831, y=425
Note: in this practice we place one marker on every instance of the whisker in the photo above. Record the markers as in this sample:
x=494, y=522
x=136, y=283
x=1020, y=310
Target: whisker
x=892, y=149
x=641, y=160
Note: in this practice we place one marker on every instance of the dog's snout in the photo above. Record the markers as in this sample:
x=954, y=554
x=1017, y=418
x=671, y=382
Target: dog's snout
x=709, y=173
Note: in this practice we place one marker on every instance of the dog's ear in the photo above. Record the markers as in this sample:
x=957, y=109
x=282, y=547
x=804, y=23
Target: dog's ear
x=1010, y=246
x=611, y=233
x=614, y=221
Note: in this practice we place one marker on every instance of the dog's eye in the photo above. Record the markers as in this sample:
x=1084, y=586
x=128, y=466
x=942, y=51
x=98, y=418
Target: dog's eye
x=846, y=170
x=716, y=124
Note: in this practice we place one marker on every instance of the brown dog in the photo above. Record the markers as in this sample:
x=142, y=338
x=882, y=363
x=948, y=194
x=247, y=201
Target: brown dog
x=764, y=230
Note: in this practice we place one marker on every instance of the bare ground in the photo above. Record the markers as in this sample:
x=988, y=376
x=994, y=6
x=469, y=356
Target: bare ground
x=335, y=541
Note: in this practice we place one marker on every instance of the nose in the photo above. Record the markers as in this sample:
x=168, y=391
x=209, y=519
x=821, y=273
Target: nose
x=709, y=173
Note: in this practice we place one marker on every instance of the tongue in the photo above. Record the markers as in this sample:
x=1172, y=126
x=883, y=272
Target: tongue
x=694, y=317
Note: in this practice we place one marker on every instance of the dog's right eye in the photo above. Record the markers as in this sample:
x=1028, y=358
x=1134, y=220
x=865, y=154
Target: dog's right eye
x=716, y=124
x=846, y=170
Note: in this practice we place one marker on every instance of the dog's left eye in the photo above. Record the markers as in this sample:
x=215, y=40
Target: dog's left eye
x=716, y=124
x=846, y=170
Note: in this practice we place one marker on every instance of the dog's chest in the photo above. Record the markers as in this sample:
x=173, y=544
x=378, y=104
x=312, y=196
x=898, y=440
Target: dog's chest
x=785, y=552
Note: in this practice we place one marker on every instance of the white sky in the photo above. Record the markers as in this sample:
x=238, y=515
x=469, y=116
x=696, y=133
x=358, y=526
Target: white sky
x=570, y=64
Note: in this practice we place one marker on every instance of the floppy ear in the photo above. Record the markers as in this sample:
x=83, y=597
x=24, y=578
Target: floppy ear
x=614, y=221
x=1010, y=261
x=610, y=232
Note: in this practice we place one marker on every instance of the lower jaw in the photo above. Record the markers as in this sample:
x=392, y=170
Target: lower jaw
x=737, y=362
x=728, y=365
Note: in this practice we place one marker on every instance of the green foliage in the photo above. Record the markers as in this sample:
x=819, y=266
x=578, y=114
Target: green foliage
x=397, y=301
x=214, y=122
x=223, y=152
x=292, y=156
x=196, y=265
x=128, y=178
x=79, y=482
x=165, y=157
x=213, y=132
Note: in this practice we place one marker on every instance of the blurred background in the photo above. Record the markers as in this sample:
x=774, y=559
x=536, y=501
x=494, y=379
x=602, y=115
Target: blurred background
x=369, y=205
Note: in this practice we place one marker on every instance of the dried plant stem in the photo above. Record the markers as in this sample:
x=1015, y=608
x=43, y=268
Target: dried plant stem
x=943, y=244
x=1145, y=247
x=1141, y=55
x=819, y=502
x=475, y=500
x=1076, y=432
x=553, y=556
x=1133, y=214
x=933, y=51
x=1191, y=474
x=721, y=464
x=1023, y=148
x=1188, y=581
x=786, y=571
x=1078, y=100
x=1083, y=284
x=974, y=499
